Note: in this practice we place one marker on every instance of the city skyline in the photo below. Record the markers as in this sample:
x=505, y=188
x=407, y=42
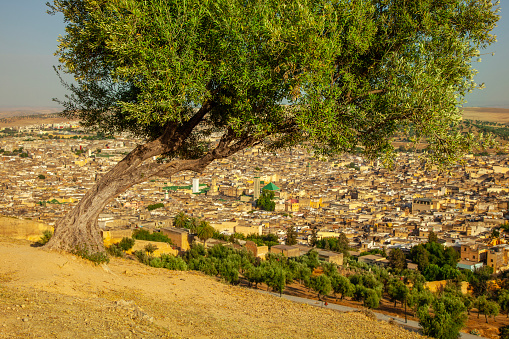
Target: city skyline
x=28, y=39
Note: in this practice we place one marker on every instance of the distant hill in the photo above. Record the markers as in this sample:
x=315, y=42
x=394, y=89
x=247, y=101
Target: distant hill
x=7, y=112
x=500, y=115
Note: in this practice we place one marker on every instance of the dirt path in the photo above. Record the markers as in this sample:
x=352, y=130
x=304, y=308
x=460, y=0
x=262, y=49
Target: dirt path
x=52, y=295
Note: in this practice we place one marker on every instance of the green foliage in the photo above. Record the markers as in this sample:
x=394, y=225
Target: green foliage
x=397, y=259
x=504, y=332
x=150, y=248
x=445, y=320
x=339, y=244
x=313, y=239
x=435, y=261
x=487, y=307
x=142, y=234
x=398, y=291
x=341, y=284
x=46, y=236
x=479, y=280
x=173, y=263
x=321, y=284
x=155, y=206
x=142, y=257
x=276, y=279
x=41, y=176
x=420, y=298
x=291, y=236
x=95, y=257
x=503, y=301
x=205, y=231
x=432, y=237
x=126, y=243
x=367, y=288
x=115, y=251
x=264, y=240
x=265, y=201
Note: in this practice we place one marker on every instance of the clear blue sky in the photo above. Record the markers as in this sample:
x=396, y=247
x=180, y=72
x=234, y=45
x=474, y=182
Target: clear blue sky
x=28, y=39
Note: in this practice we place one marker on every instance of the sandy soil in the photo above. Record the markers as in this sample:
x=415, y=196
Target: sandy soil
x=51, y=295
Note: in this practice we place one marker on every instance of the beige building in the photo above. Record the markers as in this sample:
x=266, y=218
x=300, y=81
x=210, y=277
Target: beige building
x=286, y=250
x=179, y=236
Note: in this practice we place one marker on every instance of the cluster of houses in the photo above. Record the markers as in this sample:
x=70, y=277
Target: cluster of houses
x=373, y=206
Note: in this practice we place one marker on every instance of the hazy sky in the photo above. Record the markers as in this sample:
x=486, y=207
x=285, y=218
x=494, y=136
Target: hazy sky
x=28, y=40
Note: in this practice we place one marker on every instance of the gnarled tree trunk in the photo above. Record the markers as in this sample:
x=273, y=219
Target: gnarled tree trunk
x=79, y=230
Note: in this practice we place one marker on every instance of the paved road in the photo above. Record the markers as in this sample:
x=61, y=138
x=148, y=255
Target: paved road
x=410, y=325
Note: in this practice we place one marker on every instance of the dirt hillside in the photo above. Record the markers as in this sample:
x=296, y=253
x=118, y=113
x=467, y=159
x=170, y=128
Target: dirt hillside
x=51, y=295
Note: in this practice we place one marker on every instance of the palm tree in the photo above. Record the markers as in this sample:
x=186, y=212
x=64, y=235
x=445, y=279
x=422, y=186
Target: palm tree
x=180, y=220
x=205, y=231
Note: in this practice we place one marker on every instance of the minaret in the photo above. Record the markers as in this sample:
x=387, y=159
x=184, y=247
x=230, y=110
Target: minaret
x=213, y=186
x=196, y=185
x=256, y=187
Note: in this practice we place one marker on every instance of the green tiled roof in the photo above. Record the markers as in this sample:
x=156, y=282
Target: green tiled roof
x=270, y=187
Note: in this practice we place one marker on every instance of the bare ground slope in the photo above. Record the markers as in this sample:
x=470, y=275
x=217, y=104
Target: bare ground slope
x=51, y=295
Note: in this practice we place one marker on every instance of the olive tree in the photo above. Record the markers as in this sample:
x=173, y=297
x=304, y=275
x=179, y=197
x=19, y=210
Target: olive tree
x=201, y=80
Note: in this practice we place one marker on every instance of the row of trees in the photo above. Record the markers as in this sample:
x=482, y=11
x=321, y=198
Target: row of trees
x=441, y=314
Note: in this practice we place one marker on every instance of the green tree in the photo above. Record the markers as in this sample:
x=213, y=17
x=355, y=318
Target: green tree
x=446, y=319
x=278, y=280
x=265, y=201
x=487, y=307
x=503, y=301
x=420, y=298
x=173, y=72
x=321, y=284
x=398, y=291
x=205, y=231
x=420, y=256
x=126, y=243
x=341, y=284
x=313, y=238
x=180, y=220
x=371, y=298
x=291, y=236
x=254, y=275
x=155, y=206
x=432, y=237
x=397, y=259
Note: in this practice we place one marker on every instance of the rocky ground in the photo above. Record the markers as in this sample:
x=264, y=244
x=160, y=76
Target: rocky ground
x=51, y=295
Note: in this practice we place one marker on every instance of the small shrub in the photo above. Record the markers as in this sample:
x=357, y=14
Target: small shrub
x=97, y=257
x=142, y=257
x=174, y=263
x=156, y=262
x=115, y=250
x=126, y=243
x=150, y=248
x=46, y=236
x=475, y=332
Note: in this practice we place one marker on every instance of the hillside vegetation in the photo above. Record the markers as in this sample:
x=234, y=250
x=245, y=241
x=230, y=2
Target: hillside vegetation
x=47, y=294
